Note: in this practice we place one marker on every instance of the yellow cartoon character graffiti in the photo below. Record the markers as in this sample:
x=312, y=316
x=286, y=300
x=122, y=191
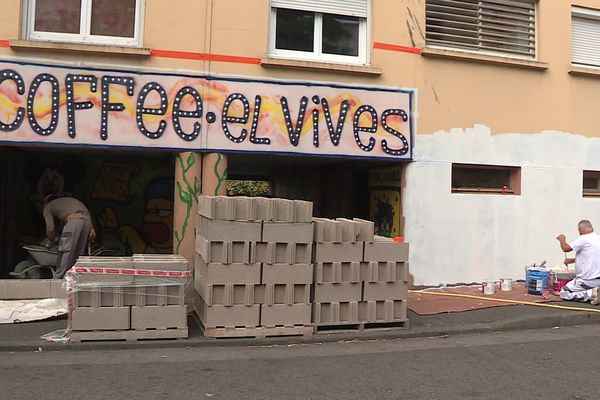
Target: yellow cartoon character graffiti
x=155, y=233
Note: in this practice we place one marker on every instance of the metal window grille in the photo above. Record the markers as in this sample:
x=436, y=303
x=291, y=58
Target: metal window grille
x=496, y=26
x=482, y=178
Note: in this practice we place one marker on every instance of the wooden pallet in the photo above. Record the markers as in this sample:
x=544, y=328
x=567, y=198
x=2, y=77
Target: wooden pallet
x=258, y=332
x=129, y=335
x=362, y=326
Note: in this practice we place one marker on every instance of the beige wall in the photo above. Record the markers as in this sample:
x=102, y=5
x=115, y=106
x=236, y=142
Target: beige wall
x=453, y=93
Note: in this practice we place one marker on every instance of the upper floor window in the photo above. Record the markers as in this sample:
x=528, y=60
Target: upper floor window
x=329, y=31
x=503, y=27
x=116, y=22
x=585, y=34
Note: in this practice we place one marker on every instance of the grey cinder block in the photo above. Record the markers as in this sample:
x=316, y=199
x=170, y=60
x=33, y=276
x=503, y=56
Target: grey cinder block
x=337, y=272
x=337, y=292
x=158, y=317
x=386, y=251
x=291, y=232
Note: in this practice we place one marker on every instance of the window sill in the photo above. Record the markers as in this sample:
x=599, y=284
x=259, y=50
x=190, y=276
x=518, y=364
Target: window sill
x=356, y=69
x=484, y=191
x=584, y=71
x=485, y=58
x=77, y=47
x=592, y=195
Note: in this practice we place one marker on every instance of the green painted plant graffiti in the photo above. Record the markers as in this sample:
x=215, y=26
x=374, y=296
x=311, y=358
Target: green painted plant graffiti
x=220, y=178
x=187, y=196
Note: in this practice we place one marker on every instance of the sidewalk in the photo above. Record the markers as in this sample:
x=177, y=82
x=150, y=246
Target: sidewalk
x=26, y=336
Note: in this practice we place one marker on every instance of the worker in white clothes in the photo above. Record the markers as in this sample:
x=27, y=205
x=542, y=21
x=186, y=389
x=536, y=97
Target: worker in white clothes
x=586, y=284
x=77, y=227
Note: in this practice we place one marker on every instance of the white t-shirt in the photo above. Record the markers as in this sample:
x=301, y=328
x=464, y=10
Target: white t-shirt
x=587, y=255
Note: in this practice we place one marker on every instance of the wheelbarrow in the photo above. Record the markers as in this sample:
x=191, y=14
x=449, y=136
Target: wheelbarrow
x=40, y=262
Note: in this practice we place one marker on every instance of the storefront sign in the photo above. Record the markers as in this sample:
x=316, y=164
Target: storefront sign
x=64, y=105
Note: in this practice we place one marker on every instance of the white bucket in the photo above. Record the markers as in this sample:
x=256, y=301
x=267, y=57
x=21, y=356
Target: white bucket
x=488, y=287
x=506, y=284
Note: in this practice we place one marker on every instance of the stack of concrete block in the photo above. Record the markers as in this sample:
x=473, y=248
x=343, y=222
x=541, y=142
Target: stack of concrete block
x=253, y=266
x=129, y=298
x=359, y=278
x=31, y=289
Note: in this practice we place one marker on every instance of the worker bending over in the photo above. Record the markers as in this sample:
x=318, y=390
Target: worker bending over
x=586, y=284
x=76, y=222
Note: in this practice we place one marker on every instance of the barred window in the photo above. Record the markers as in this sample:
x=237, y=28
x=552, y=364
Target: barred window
x=485, y=179
x=591, y=183
x=506, y=27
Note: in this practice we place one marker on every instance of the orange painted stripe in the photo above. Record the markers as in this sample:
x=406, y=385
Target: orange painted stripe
x=4, y=43
x=395, y=47
x=186, y=55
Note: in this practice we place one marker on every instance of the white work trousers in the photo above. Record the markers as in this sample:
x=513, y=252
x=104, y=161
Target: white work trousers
x=579, y=289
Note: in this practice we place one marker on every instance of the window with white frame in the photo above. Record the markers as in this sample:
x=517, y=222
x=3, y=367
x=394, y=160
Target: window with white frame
x=329, y=31
x=503, y=27
x=116, y=22
x=585, y=36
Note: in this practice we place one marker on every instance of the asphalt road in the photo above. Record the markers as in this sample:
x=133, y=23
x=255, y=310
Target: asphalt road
x=550, y=363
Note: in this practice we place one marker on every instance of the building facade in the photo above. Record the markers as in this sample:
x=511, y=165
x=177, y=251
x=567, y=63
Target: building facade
x=467, y=127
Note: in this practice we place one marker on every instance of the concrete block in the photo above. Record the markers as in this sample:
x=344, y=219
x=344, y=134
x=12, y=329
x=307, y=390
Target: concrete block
x=327, y=230
x=337, y=292
x=217, y=230
x=281, y=253
x=291, y=232
x=226, y=295
x=219, y=273
x=20, y=289
x=219, y=315
x=3, y=289
x=335, y=313
x=56, y=289
x=366, y=230
x=104, y=262
x=265, y=209
x=379, y=291
x=175, y=294
x=240, y=208
x=85, y=279
x=350, y=229
x=283, y=314
x=158, y=317
x=337, y=272
x=386, y=251
x=163, y=263
x=287, y=294
x=382, y=311
x=303, y=211
x=390, y=271
x=284, y=210
x=286, y=273
x=223, y=252
x=338, y=252
x=99, y=318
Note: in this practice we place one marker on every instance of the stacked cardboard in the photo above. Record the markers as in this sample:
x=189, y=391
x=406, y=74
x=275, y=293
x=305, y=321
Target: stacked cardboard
x=131, y=298
x=359, y=278
x=253, y=266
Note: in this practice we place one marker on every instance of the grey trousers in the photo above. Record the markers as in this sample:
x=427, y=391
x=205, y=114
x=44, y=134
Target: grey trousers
x=72, y=244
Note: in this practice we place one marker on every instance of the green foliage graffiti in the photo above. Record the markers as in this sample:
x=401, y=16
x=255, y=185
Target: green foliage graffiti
x=220, y=178
x=188, y=196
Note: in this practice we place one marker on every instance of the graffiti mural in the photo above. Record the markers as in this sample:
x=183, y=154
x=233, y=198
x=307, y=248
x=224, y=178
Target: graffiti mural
x=64, y=105
x=188, y=194
x=385, y=201
x=130, y=196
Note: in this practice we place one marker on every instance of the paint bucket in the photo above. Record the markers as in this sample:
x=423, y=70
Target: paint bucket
x=488, y=287
x=537, y=279
x=560, y=279
x=506, y=284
